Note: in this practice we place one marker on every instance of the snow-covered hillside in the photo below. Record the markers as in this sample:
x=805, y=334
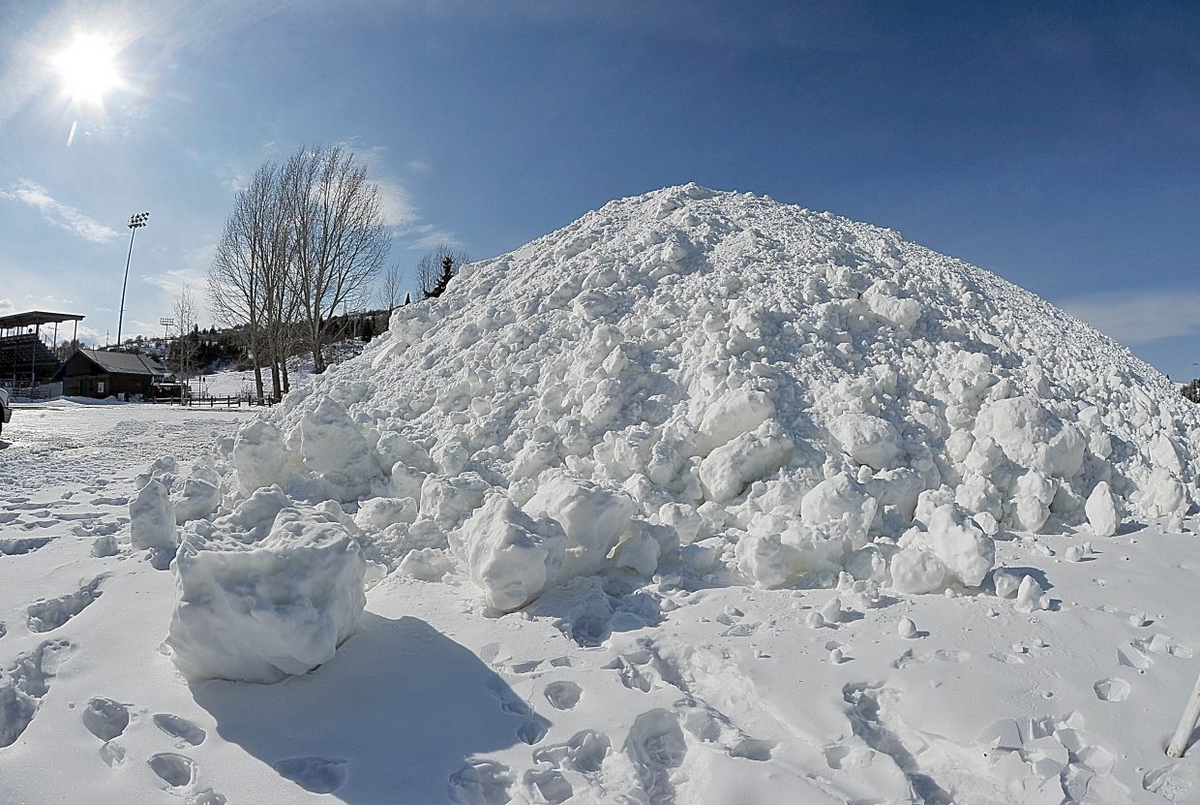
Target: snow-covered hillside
x=702, y=499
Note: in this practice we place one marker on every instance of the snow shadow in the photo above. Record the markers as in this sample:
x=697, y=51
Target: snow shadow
x=401, y=707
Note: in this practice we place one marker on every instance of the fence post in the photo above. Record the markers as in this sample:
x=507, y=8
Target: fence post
x=1191, y=714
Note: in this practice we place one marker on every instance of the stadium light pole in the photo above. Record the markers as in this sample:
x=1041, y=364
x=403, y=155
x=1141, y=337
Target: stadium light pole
x=136, y=222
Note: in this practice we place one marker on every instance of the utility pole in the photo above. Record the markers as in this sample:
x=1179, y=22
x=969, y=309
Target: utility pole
x=136, y=222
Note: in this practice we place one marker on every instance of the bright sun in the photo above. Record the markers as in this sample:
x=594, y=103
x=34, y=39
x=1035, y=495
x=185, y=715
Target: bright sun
x=88, y=68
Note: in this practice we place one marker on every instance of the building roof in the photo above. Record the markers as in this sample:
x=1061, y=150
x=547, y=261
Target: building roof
x=125, y=363
x=35, y=317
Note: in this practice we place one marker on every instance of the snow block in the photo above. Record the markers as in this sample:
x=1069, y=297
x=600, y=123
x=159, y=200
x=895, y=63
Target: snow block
x=260, y=457
x=916, y=571
x=737, y=412
x=152, y=518
x=840, y=500
x=868, y=440
x=1101, y=511
x=196, y=499
x=730, y=468
x=333, y=446
x=509, y=556
x=592, y=517
x=1031, y=436
x=963, y=548
x=267, y=609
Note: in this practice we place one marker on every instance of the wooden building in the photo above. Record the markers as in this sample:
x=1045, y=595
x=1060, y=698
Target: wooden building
x=96, y=373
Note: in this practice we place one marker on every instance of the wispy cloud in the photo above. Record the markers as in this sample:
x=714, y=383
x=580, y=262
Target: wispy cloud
x=7, y=307
x=174, y=281
x=398, y=209
x=1139, y=318
x=63, y=215
x=426, y=236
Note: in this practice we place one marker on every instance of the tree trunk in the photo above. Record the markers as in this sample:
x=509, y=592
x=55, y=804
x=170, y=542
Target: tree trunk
x=258, y=381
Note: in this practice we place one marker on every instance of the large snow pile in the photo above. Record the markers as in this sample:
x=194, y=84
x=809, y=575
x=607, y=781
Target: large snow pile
x=715, y=384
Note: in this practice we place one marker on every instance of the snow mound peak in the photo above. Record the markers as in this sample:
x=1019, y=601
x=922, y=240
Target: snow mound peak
x=794, y=393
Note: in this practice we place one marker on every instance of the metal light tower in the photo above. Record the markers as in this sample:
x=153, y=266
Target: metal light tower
x=136, y=222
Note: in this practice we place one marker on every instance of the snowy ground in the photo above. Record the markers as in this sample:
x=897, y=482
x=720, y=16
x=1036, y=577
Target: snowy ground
x=715, y=695
x=781, y=509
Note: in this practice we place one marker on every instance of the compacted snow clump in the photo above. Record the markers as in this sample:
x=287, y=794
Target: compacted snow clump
x=687, y=381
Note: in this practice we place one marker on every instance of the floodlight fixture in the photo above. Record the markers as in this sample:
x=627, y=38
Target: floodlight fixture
x=136, y=222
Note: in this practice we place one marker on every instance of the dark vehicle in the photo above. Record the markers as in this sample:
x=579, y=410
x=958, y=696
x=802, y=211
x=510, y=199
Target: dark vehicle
x=5, y=409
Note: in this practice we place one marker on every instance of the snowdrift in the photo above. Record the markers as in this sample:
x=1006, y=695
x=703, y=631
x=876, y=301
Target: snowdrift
x=705, y=383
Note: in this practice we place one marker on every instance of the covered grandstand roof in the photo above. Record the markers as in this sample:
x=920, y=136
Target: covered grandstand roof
x=35, y=317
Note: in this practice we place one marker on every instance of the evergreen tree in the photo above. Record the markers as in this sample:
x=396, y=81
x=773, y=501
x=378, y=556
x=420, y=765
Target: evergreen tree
x=444, y=279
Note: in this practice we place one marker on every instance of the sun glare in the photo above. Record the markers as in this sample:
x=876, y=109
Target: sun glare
x=88, y=68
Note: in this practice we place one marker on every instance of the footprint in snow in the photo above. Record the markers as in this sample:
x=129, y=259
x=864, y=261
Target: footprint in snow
x=175, y=770
x=185, y=732
x=24, y=683
x=563, y=695
x=656, y=746
x=47, y=615
x=316, y=774
x=584, y=752
x=20, y=546
x=629, y=670
x=549, y=785
x=1176, y=782
x=534, y=727
x=105, y=718
x=480, y=782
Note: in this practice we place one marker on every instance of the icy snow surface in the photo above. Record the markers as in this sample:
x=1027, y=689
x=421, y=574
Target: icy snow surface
x=700, y=499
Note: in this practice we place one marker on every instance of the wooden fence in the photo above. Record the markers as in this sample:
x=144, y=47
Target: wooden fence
x=233, y=401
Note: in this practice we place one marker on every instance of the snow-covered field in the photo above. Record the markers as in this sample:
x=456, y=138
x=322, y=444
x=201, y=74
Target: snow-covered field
x=701, y=499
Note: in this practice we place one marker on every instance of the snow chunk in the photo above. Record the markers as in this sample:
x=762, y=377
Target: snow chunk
x=903, y=313
x=377, y=514
x=260, y=457
x=1030, y=596
x=737, y=412
x=729, y=468
x=843, y=501
x=867, y=439
x=916, y=571
x=509, y=556
x=152, y=518
x=196, y=499
x=1031, y=436
x=261, y=611
x=1163, y=495
x=1101, y=511
x=593, y=518
x=962, y=547
x=333, y=446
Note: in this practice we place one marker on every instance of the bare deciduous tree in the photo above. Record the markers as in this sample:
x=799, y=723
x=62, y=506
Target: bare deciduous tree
x=340, y=237
x=301, y=241
x=391, y=287
x=235, y=279
x=185, y=317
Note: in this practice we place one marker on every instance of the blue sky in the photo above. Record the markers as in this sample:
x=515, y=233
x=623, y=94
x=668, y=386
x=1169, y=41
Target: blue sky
x=1056, y=144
